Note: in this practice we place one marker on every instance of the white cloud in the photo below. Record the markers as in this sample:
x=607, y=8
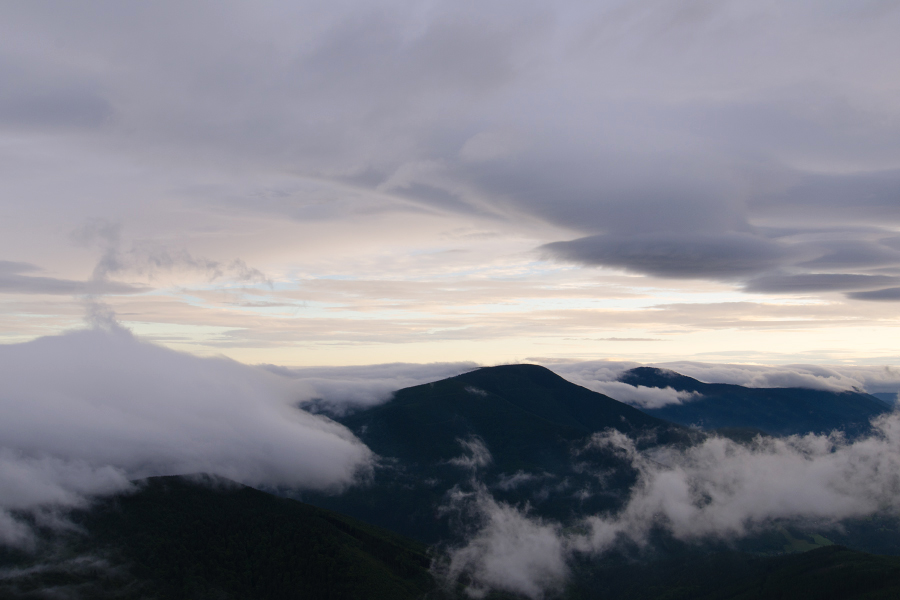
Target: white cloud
x=81, y=413
x=338, y=390
x=475, y=454
x=717, y=489
x=508, y=482
x=720, y=488
x=642, y=396
x=511, y=551
x=601, y=376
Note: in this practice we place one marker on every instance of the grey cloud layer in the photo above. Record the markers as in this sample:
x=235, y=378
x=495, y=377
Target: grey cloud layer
x=18, y=278
x=688, y=140
x=690, y=255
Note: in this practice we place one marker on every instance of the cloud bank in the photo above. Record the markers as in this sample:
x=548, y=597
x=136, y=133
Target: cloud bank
x=339, y=390
x=715, y=490
x=84, y=412
x=602, y=376
x=620, y=122
x=509, y=551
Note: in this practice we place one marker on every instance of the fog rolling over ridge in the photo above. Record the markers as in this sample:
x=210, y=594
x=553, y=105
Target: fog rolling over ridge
x=84, y=412
x=712, y=490
x=718, y=490
x=81, y=414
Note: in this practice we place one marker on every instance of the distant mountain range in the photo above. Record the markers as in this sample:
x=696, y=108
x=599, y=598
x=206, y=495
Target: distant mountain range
x=529, y=423
x=516, y=425
x=521, y=432
x=775, y=411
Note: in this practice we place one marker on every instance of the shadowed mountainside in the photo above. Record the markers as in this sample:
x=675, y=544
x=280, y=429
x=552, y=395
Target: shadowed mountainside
x=522, y=428
x=829, y=573
x=776, y=411
x=201, y=537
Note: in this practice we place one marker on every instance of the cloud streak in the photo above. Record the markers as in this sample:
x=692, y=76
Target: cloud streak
x=18, y=278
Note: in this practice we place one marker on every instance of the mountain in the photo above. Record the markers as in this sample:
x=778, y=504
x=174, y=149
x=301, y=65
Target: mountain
x=888, y=398
x=775, y=411
x=211, y=538
x=518, y=427
x=509, y=407
x=828, y=573
x=518, y=432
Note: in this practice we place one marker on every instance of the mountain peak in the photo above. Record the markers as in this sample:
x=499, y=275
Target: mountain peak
x=507, y=406
x=660, y=378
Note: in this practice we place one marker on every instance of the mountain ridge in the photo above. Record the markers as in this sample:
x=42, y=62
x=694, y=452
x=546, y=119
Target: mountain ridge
x=526, y=422
x=775, y=411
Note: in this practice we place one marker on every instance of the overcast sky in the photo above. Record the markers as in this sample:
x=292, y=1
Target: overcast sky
x=347, y=182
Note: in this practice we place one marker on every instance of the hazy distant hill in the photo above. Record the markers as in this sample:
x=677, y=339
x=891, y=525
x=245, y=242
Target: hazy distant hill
x=204, y=538
x=528, y=418
x=776, y=411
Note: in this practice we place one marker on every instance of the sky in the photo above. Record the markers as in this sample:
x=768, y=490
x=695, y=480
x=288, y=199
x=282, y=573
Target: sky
x=363, y=196
x=350, y=183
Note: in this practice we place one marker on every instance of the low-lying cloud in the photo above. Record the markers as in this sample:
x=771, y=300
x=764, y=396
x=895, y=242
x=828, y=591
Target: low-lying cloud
x=642, y=396
x=510, y=551
x=715, y=490
x=82, y=413
x=339, y=390
x=870, y=379
x=602, y=376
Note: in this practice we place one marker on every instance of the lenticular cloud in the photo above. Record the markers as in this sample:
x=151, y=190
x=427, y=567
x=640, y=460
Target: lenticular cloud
x=82, y=413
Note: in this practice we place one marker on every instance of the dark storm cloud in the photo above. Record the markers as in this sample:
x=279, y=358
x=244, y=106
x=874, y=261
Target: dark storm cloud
x=16, y=278
x=885, y=295
x=818, y=282
x=682, y=256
